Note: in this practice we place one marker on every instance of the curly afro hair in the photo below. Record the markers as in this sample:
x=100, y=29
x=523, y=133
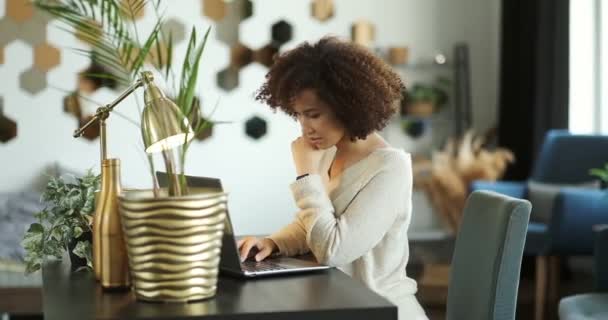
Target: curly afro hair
x=361, y=89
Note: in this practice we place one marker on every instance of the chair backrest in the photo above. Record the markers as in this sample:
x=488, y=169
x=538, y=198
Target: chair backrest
x=487, y=257
x=566, y=158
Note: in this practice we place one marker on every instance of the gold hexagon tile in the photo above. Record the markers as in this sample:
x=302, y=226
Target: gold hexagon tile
x=214, y=9
x=322, y=10
x=46, y=57
x=89, y=33
x=137, y=6
x=363, y=32
x=19, y=10
x=1, y=55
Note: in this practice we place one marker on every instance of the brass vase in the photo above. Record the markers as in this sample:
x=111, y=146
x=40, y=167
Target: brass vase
x=110, y=261
x=173, y=243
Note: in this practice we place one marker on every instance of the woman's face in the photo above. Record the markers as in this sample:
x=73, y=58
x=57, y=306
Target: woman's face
x=320, y=127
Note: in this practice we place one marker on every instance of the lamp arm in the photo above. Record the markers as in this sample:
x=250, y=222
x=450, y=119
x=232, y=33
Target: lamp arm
x=103, y=113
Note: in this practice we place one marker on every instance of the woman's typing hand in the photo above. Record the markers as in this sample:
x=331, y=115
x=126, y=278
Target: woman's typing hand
x=261, y=248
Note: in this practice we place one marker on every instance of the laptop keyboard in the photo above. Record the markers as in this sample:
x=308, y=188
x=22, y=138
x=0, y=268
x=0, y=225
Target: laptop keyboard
x=263, y=265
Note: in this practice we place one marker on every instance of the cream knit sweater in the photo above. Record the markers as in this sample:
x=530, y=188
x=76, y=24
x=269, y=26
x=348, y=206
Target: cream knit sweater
x=360, y=224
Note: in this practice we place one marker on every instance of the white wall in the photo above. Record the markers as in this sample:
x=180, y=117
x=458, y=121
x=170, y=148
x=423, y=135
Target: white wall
x=257, y=173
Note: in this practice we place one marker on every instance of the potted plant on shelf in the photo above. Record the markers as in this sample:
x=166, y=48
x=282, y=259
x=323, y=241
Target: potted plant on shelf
x=173, y=235
x=423, y=100
x=64, y=224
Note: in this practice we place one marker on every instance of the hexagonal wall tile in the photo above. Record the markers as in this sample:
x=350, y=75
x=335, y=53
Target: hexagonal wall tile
x=88, y=83
x=228, y=78
x=1, y=55
x=32, y=81
x=71, y=105
x=363, y=32
x=133, y=9
x=92, y=132
x=32, y=32
x=240, y=56
x=196, y=118
x=46, y=57
x=227, y=29
x=214, y=9
x=265, y=55
x=8, y=127
x=19, y=10
x=176, y=28
x=89, y=33
x=255, y=127
x=281, y=33
x=322, y=10
x=8, y=30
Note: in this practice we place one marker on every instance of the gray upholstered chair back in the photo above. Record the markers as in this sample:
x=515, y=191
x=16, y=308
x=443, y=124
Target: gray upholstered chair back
x=487, y=258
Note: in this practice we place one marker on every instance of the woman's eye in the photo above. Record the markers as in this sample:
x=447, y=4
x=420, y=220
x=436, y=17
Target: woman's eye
x=314, y=116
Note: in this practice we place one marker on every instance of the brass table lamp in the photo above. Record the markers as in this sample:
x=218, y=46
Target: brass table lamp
x=163, y=127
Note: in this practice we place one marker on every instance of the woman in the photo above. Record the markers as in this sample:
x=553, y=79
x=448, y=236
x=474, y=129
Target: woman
x=353, y=190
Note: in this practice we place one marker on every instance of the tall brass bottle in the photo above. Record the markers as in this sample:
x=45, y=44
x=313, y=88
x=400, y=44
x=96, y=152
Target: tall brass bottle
x=109, y=249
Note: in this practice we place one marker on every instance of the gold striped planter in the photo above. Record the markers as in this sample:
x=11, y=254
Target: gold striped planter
x=173, y=243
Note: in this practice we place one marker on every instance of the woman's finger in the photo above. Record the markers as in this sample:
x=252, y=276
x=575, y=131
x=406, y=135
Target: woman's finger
x=249, y=243
x=265, y=252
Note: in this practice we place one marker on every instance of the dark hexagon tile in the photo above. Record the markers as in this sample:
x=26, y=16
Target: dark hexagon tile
x=281, y=33
x=89, y=84
x=214, y=9
x=19, y=10
x=92, y=132
x=8, y=127
x=240, y=56
x=32, y=81
x=195, y=118
x=265, y=55
x=322, y=10
x=228, y=79
x=255, y=127
x=71, y=105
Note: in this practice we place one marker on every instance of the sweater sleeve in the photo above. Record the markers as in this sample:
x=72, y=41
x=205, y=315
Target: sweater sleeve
x=338, y=241
x=291, y=239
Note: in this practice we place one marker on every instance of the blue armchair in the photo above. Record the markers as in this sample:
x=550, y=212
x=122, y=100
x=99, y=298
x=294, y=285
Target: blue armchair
x=564, y=159
x=591, y=305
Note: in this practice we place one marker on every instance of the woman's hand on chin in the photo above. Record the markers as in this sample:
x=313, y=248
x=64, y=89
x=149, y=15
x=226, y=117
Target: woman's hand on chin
x=306, y=157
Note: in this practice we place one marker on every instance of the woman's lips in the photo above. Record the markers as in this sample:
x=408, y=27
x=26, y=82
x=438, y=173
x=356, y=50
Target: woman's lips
x=315, y=140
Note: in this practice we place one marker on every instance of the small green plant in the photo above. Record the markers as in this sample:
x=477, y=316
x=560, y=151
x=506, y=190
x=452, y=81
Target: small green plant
x=66, y=217
x=601, y=173
x=435, y=94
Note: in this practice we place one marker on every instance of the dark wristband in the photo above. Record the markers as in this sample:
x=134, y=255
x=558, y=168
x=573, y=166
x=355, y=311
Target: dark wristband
x=302, y=176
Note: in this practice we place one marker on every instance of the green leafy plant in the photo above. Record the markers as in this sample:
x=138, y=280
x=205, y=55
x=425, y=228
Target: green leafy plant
x=601, y=173
x=64, y=220
x=110, y=28
x=435, y=94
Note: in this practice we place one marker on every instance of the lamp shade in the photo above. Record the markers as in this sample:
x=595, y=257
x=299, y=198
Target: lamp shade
x=163, y=125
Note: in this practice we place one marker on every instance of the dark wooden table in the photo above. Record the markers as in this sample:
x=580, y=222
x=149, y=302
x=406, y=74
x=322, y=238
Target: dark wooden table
x=326, y=295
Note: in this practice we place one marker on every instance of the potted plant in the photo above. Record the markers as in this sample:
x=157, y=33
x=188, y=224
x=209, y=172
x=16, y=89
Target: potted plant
x=64, y=224
x=423, y=100
x=172, y=235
